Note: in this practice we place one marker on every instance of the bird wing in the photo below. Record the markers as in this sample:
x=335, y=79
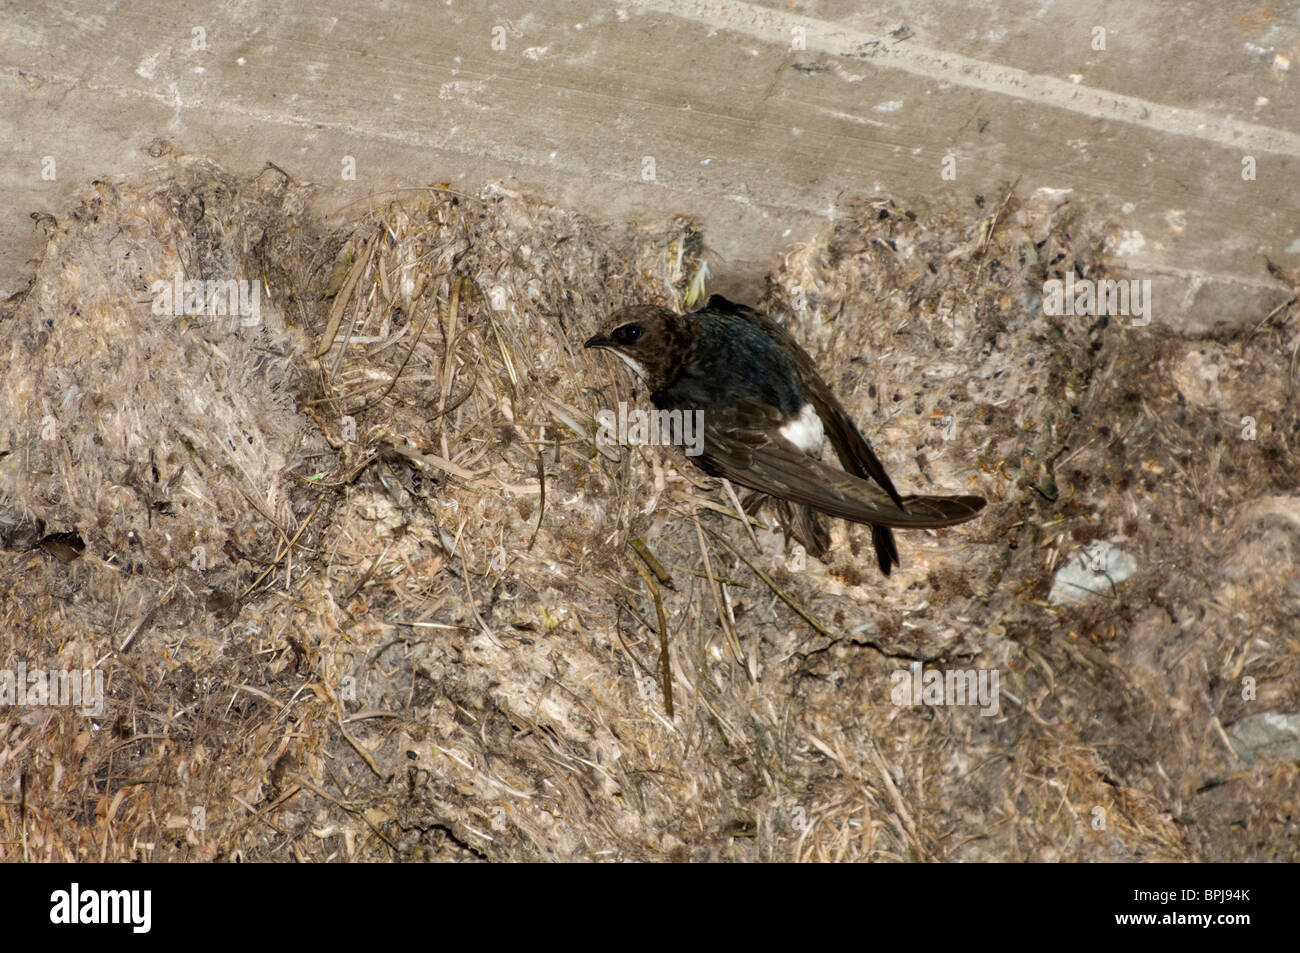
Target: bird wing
x=743, y=443
x=851, y=447
x=855, y=453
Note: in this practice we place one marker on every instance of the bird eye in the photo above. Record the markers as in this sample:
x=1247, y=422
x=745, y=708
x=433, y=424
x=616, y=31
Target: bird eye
x=627, y=333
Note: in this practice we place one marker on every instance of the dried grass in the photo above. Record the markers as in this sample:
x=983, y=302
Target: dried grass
x=437, y=621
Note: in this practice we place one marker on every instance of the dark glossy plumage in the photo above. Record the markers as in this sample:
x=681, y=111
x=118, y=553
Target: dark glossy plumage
x=752, y=380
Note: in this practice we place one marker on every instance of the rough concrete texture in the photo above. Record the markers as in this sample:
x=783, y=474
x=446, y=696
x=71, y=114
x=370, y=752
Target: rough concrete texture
x=762, y=119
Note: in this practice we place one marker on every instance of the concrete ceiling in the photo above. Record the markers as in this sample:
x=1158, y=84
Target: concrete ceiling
x=760, y=119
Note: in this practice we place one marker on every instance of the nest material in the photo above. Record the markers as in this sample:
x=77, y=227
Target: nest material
x=423, y=629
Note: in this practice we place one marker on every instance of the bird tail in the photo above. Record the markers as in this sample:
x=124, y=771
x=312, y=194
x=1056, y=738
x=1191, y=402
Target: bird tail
x=936, y=511
x=882, y=537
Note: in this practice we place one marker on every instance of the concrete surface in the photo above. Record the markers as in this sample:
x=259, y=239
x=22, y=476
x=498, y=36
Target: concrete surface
x=759, y=139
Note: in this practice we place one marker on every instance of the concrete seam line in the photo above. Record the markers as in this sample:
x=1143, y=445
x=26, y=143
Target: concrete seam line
x=771, y=26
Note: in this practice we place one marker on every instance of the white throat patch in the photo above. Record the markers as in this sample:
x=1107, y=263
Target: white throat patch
x=805, y=431
x=636, y=366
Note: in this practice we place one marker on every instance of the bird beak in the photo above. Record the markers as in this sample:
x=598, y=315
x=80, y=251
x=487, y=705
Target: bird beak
x=597, y=340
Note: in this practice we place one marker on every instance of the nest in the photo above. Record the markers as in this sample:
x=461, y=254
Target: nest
x=363, y=584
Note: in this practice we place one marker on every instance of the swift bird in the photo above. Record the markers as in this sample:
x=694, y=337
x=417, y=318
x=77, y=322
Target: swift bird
x=766, y=413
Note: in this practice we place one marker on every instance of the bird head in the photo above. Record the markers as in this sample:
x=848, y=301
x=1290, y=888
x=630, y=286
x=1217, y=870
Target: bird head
x=649, y=339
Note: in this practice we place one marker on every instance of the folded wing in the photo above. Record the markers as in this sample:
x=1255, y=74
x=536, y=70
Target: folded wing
x=743, y=444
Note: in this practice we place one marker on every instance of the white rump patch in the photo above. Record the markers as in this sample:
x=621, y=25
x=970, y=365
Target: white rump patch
x=805, y=431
